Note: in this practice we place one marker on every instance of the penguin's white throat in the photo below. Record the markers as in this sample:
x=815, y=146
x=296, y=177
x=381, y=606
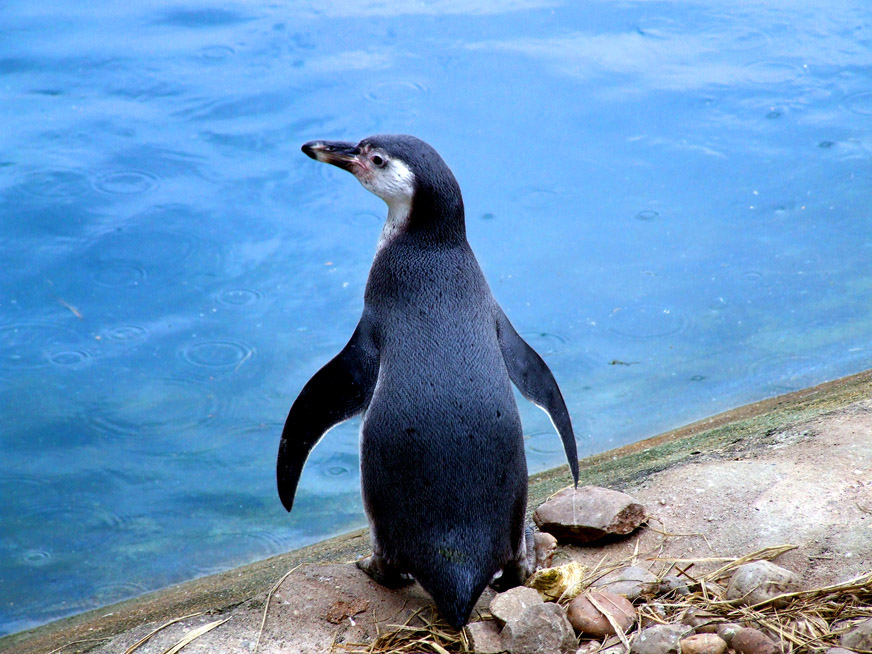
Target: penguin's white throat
x=395, y=184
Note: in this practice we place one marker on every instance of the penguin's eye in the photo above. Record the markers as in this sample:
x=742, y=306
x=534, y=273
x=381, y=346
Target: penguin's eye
x=378, y=160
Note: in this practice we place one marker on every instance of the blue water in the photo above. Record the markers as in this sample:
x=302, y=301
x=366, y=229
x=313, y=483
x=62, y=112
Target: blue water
x=671, y=201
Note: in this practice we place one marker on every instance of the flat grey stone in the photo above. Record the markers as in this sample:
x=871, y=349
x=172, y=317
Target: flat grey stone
x=511, y=604
x=760, y=581
x=484, y=637
x=631, y=582
x=588, y=514
x=659, y=639
x=860, y=637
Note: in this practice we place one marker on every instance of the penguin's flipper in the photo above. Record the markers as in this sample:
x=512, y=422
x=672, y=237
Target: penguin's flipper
x=533, y=378
x=338, y=391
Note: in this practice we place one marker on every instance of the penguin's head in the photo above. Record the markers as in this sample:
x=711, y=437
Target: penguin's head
x=405, y=172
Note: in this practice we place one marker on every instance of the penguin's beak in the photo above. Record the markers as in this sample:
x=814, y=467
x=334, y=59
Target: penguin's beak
x=339, y=153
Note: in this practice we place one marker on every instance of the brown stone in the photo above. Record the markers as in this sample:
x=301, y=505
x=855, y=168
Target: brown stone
x=588, y=619
x=588, y=514
x=753, y=641
x=703, y=644
x=484, y=637
x=727, y=630
x=541, y=629
x=544, y=546
x=760, y=581
x=511, y=604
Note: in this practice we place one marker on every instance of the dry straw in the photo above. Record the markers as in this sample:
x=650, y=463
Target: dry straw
x=806, y=621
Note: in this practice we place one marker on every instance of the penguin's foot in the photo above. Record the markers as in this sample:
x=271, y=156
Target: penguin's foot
x=536, y=552
x=382, y=572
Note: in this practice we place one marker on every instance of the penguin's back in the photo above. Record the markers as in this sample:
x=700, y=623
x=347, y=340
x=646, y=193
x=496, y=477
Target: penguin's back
x=442, y=455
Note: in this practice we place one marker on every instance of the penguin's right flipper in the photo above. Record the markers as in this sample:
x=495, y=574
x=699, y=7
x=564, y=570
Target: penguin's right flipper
x=338, y=391
x=534, y=379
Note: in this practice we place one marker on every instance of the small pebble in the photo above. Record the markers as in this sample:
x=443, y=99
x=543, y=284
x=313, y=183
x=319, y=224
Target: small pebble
x=587, y=619
x=544, y=545
x=701, y=621
x=727, y=631
x=860, y=637
x=674, y=584
x=703, y=644
x=753, y=641
x=660, y=639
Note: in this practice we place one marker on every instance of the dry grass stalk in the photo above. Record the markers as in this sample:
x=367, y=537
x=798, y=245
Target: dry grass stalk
x=423, y=631
x=194, y=634
x=139, y=643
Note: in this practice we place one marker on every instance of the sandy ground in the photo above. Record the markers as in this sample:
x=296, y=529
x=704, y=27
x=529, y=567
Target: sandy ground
x=793, y=470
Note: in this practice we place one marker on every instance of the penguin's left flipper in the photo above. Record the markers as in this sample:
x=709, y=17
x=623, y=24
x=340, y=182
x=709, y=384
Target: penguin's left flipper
x=533, y=378
x=338, y=391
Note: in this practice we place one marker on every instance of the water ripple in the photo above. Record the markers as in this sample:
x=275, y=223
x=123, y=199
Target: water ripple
x=772, y=72
x=238, y=297
x=544, y=442
x=32, y=345
x=394, y=92
x=211, y=553
x=118, y=273
x=217, y=354
x=55, y=184
x=545, y=343
x=68, y=358
x=640, y=322
x=859, y=103
x=216, y=52
x=127, y=333
x=36, y=558
x=126, y=182
x=160, y=407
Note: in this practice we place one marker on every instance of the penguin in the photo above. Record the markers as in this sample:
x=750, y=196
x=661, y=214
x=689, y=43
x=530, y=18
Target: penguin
x=430, y=366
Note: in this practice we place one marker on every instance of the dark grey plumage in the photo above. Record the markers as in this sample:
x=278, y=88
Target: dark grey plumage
x=430, y=365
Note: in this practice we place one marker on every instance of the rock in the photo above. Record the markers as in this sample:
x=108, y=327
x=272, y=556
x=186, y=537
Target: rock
x=588, y=619
x=511, y=604
x=544, y=545
x=631, y=582
x=727, y=630
x=860, y=637
x=660, y=639
x=674, y=584
x=760, y=581
x=589, y=514
x=753, y=641
x=839, y=650
x=701, y=621
x=484, y=637
x=541, y=629
x=703, y=644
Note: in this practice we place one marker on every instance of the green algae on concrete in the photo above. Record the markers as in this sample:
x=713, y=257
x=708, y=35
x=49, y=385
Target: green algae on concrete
x=740, y=427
